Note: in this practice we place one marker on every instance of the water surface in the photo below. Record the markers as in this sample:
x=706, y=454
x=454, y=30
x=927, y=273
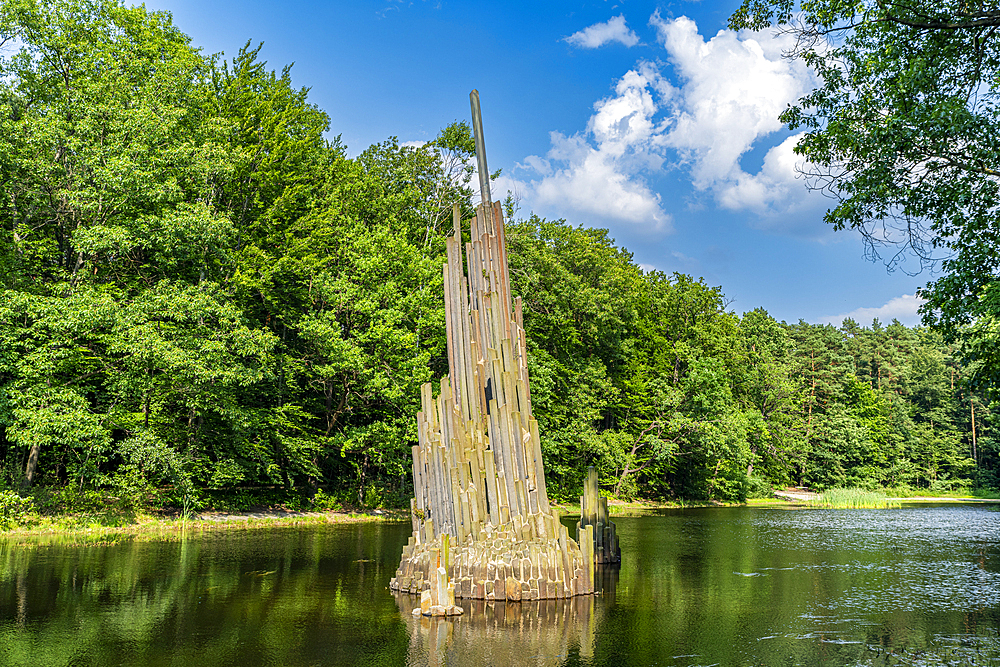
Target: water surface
x=714, y=586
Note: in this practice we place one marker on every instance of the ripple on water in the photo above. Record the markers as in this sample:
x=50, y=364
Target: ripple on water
x=895, y=530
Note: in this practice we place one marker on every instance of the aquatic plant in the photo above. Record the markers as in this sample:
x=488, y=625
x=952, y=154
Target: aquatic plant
x=854, y=498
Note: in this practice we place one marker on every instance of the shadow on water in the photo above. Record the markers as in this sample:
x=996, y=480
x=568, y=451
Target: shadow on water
x=539, y=633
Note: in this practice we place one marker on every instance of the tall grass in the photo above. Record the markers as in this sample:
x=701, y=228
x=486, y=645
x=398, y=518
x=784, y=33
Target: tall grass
x=854, y=499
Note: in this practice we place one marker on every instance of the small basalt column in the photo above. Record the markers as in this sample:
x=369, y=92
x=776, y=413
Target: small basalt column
x=439, y=599
x=478, y=479
x=594, y=523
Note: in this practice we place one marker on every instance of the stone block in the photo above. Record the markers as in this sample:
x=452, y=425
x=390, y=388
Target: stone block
x=512, y=589
x=425, y=602
x=439, y=591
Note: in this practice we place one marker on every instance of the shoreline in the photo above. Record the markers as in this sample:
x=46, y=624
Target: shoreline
x=53, y=530
x=85, y=530
x=795, y=497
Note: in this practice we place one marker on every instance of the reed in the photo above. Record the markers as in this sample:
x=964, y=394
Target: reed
x=854, y=498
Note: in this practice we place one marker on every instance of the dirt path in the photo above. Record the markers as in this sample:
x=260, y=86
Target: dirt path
x=797, y=495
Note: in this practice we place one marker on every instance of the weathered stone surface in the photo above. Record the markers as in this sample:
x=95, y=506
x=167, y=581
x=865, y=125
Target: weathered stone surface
x=531, y=565
x=425, y=602
x=512, y=589
x=439, y=591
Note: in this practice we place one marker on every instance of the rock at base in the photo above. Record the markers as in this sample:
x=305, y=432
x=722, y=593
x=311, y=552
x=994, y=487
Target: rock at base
x=425, y=602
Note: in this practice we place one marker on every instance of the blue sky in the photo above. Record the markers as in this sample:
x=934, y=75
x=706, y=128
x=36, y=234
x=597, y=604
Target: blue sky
x=646, y=118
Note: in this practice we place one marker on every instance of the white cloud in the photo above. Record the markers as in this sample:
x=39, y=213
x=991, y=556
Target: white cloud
x=594, y=185
x=733, y=87
x=727, y=94
x=596, y=175
x=599, y=34
x=778, y=189
x=902, y=308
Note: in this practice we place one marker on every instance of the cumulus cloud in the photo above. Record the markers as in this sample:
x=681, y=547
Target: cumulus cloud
x=902, y=308
x=776, y=190
x=597, y=175
x=593, y=185
x=733, y=87
x=698, y=114
x=599, y=34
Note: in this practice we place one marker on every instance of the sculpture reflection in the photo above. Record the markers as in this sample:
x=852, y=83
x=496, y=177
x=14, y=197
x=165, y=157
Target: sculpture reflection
x=535, y=632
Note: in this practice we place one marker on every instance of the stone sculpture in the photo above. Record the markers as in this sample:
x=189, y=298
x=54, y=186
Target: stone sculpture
x=479, y=485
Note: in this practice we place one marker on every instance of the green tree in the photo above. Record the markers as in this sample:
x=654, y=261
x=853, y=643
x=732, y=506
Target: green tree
x=902, y=130
x=768, y=391
x=825, y=374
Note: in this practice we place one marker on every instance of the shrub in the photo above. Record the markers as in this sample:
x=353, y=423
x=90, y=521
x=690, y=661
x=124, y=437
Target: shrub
x=14, y=510
x=321, y=501
x=757, y=487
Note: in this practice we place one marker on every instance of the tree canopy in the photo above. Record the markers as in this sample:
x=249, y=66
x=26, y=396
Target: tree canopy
x=203, y=297
x=903, y=132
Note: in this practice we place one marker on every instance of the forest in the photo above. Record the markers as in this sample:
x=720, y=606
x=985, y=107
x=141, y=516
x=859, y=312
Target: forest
x=203, y=297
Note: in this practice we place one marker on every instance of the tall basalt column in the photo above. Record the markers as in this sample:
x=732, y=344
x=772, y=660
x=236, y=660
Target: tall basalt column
x=594, y=520
x=478, y=478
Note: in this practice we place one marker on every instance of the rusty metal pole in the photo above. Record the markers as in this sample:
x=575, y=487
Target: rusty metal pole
x=477, y=130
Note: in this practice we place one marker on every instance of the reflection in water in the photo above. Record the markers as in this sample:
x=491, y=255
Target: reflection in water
x=725, y=586
x=537, y=632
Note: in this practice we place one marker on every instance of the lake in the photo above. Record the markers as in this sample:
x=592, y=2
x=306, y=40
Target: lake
x=711, y=586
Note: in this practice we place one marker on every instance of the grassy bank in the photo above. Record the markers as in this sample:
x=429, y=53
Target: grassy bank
x=48, y=516
x=64, y=514
x=638, y=507
x=862, y=498
x=72, y=529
